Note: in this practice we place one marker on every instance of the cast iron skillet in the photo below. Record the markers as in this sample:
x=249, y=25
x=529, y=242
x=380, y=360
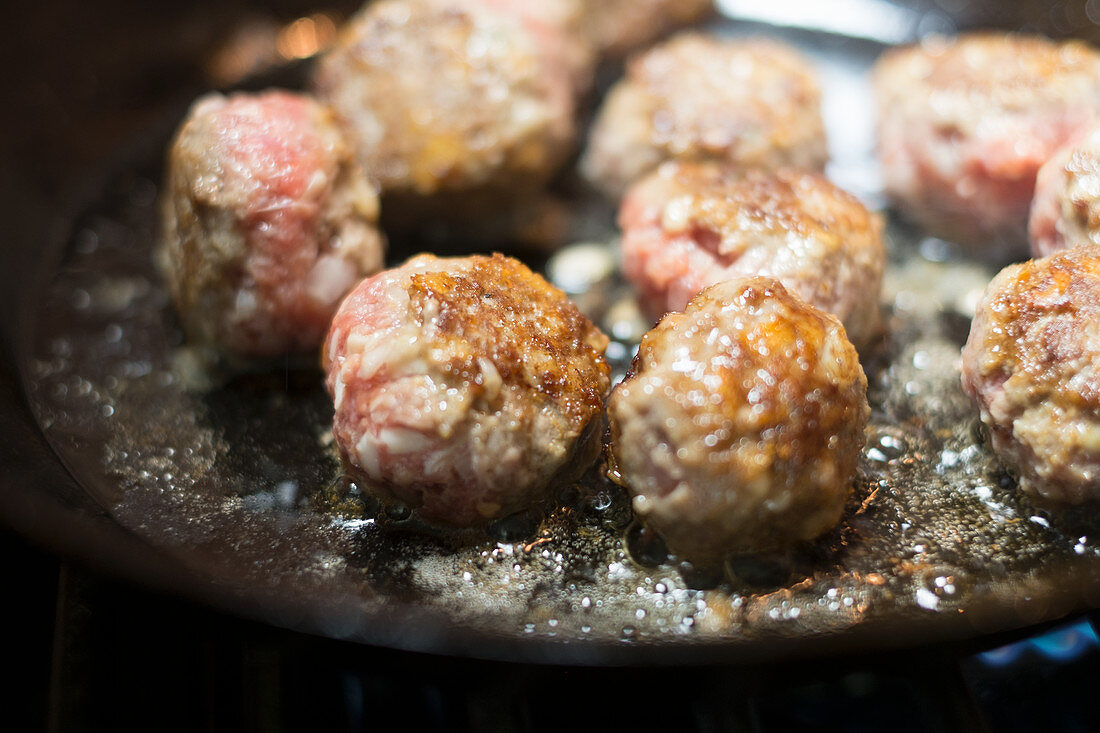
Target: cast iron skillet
x=226, y=489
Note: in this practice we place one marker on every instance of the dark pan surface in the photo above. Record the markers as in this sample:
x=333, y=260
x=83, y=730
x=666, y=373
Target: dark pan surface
x=236, y=481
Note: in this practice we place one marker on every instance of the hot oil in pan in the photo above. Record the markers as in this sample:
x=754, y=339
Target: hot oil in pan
x=239, y=478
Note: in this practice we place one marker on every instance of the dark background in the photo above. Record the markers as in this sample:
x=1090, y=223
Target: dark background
x=82, y=81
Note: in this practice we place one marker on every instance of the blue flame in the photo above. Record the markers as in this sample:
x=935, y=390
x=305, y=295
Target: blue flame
x=1063, y=644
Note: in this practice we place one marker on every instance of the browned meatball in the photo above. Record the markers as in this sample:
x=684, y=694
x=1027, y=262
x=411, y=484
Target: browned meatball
x=267, y=223
x=1032, y=365
x=1066, y=209
x=690, y=225
x=742, y=421
x=750, y=103
x=965, y=123
x=454, y=108
x=464, y=388
x=621, y=26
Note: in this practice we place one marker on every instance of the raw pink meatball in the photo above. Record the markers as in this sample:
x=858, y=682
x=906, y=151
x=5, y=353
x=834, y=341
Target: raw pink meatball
x=690, y=225
x=741, y=423
x=456, y=109
x=749, y=102
x=965, y=123
x=1066, y=209
x=267, y=222
x=1032, y=365
x=464, y=388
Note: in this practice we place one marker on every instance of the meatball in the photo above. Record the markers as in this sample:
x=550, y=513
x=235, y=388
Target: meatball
x=267, y=222
x=1066, y=209
x=620, y=26
x=742, y=421
x=964, y=125
x=1032, y=365
x=750, y=103
x=465, y=388
x=690, y=225
x=454, y=108
x=559, y=29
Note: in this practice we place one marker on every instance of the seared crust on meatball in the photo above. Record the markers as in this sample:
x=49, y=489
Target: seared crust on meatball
x=741, y=423
x=1066, y=209
x=690, y=225
x=454, y=108
x=621, y=26
x=1032, y=365
x=965, y=124
x=267, y=222
x=750, y=103
x=464, y=388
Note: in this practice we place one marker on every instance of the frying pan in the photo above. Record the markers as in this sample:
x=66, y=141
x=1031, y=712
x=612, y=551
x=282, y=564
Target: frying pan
x=116, y=452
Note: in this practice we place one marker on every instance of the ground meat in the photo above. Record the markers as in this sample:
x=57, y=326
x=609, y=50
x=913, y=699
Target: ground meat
x=267, y=222
x=750, y=103
x=621, y=26
x=964, y=125
x=741, y=423
x=690, y=225
x=456, y=109
x=465, y=388
x=1032, y=365
x=559, y=28
x=1066, y=209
